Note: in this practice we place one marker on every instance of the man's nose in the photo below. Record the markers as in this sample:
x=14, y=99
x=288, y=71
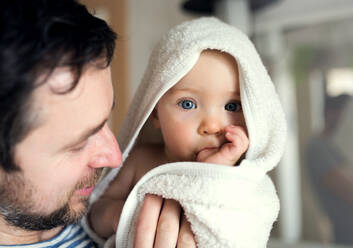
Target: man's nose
x=211, y=125
x=107, y=150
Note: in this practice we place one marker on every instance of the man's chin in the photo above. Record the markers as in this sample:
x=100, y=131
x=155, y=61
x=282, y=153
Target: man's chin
x=70, y=213
x=78, y=206
x=22, y=212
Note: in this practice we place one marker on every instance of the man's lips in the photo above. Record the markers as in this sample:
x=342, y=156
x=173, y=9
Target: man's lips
x=85, y=191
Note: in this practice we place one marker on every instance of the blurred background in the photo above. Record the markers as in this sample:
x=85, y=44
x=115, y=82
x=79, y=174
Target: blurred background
x=307, y=47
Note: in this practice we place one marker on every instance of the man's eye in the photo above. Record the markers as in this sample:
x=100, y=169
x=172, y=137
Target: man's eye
x=233, y=106
x=187, y=104
x=79, y=148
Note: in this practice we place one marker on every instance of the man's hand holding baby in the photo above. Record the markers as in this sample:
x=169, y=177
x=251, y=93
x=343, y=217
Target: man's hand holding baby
x=231, y=151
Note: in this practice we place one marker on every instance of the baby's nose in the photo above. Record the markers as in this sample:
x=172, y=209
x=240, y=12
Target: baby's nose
x=211, y=126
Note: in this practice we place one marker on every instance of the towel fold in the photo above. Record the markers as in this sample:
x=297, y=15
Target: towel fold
x=226, y=206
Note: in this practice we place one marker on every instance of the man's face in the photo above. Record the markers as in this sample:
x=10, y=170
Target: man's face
x=62, y=157
x=193, y=114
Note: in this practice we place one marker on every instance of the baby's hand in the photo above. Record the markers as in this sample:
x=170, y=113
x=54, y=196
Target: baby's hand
x=230, y=152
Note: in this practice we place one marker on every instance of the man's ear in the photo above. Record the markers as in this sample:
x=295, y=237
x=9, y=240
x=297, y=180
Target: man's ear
x=155, y=120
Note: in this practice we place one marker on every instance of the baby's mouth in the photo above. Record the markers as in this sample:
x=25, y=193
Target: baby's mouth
x=204, y=152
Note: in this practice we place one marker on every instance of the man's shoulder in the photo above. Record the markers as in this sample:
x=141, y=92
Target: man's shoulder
x=71, y=236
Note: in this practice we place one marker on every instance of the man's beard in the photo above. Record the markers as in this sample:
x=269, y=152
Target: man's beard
x=20, y=213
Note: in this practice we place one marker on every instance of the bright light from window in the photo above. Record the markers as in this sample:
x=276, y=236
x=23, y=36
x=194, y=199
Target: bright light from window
x=340, y=81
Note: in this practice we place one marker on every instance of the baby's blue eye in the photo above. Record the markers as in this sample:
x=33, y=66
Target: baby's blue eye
x=187, y=104
x=232, y=106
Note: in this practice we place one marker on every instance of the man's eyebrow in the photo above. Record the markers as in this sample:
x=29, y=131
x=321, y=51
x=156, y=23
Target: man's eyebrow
x=91, y=132
x=88, y=133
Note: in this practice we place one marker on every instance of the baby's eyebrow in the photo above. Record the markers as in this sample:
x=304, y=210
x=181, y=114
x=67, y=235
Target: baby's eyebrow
x=237, y=93
x=173, y=90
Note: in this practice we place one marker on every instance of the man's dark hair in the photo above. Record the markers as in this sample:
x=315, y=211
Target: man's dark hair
x=37, y=36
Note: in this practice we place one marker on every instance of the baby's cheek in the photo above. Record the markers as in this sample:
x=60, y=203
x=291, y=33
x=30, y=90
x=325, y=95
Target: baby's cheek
x=182, y=145
x=188, y=143
x=238, y=120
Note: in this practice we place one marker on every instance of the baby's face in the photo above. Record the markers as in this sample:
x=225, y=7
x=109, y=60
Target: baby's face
x=192, y=115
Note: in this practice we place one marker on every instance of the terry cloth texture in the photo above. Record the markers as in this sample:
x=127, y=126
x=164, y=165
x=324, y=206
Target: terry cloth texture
x=226, y=206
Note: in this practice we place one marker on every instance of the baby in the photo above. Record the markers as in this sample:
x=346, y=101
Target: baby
x=200, y=118
x=208, y=97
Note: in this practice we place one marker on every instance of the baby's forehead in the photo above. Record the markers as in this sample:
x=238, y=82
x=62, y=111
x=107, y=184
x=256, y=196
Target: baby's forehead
x=218, y=54
x=182, y=88
x=212, y=66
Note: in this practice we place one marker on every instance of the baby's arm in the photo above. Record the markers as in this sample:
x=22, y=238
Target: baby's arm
x=105, y=212
x=231, y=151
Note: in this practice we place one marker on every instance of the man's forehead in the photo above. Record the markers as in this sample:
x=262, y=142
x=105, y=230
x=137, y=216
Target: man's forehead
x=64, y=82
x=61, y=79
x=49, y=90
x=58, y=81
x=90, y=92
